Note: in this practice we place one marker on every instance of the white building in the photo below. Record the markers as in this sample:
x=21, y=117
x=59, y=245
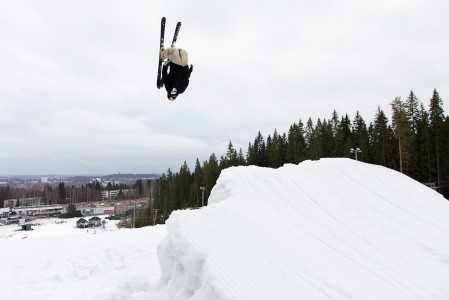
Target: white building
x=10, y=203
x=39, y=211
x=4, y=212
x=96, y=210
x=36, y=201
x=108, y=195
x=23, y=202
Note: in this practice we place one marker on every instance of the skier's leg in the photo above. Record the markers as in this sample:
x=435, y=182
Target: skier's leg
x=176, y=56
x=165, y=53
x=184, y=57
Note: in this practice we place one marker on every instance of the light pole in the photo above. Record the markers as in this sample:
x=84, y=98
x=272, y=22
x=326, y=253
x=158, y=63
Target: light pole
x=356, y=150
x=134, y=215
x=202, y=188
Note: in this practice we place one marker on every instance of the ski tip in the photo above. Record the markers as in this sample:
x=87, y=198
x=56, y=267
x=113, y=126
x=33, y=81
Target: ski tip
x=163, y=19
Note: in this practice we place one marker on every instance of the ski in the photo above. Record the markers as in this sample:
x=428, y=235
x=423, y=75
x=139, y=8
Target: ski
x=161, y=46
x=175, y=35
x=160, y=83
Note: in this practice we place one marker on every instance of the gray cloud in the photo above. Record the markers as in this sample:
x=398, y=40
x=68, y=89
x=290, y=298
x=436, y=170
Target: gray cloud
x=78, y=93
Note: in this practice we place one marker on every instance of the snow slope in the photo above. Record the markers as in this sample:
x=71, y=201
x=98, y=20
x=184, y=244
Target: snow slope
x=58, y=261
x=327, y=229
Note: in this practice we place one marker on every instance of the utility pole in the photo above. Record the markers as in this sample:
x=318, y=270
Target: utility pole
x=134, y=217
x=155, y=215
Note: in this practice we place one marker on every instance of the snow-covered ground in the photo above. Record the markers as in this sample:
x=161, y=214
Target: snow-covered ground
x=59, y=261
x=328, y=229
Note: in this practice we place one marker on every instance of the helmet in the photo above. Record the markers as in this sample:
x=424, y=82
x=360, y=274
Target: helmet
x=171, y=96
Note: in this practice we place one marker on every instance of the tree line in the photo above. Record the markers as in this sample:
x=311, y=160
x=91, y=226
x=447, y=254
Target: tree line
x=414, y=141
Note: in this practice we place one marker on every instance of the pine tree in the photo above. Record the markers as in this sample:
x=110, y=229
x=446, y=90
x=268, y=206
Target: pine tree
x=291, y=144
x=275, y=150
x=412, y=112
x=139, y=187
x=211, y=173
x=241, y=158
x=327, y=139
x=380, y=138
x=251, y=155
x=423, y=146
x=436, y=117
x=403, y=133
x=231, y=158
x=335, y=124
x=270, y=152
x=344, y=137
x=360, y=137
x=444, y=188
x=316, y=142
x=295, y=144
x=309, y=138
x=62, y=192
x=167, y=192
x=197, y=183
x=258, y=155
x=183, y=187
x=282, y=149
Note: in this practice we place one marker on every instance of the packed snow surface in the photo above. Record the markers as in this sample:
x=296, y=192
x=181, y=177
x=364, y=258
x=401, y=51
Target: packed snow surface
x=327, y=229
x=57, y=261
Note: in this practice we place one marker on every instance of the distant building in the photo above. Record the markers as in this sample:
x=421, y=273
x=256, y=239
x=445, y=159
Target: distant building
x=27, y=202
x=98, y=210
x=44, y=179
x=41, y=211
x=10, y=203
x=23, y=202
x=4, y=212
x=110, y=195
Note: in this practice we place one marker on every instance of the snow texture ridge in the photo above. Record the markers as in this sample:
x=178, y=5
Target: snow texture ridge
x=327, y=229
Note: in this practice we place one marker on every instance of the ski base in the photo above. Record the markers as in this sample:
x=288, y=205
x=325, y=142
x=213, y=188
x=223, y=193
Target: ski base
x=160, y=82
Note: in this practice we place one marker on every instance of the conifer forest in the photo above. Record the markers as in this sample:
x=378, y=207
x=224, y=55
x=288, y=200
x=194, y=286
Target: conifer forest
x=413, y=139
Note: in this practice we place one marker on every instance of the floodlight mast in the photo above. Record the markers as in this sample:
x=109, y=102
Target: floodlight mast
x=356, y=150
x=202, y=188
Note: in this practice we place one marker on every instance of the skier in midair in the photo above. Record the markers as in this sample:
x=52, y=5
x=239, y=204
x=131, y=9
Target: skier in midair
x=176, y=71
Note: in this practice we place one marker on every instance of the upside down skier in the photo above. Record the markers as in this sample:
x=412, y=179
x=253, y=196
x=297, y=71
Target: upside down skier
x=176, y=71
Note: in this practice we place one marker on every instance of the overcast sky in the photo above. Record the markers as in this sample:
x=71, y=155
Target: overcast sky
x=78, y=78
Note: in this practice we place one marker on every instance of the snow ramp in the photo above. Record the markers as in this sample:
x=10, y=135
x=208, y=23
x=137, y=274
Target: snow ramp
x=327, y=229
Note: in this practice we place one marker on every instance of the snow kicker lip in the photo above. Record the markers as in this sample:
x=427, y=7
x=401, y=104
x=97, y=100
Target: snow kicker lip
x=333, y=228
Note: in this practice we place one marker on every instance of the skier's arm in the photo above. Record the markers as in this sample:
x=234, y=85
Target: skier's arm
x=164, y=69
x=165, y=78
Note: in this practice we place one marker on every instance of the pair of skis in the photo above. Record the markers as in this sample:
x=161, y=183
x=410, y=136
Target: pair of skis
x=160, y=83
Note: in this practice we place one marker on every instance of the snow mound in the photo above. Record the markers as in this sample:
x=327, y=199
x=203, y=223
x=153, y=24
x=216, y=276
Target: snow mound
x=327, y=229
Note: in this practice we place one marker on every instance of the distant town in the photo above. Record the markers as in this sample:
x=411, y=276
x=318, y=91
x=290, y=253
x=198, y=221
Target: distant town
x=28, y=198
x=36, y=181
